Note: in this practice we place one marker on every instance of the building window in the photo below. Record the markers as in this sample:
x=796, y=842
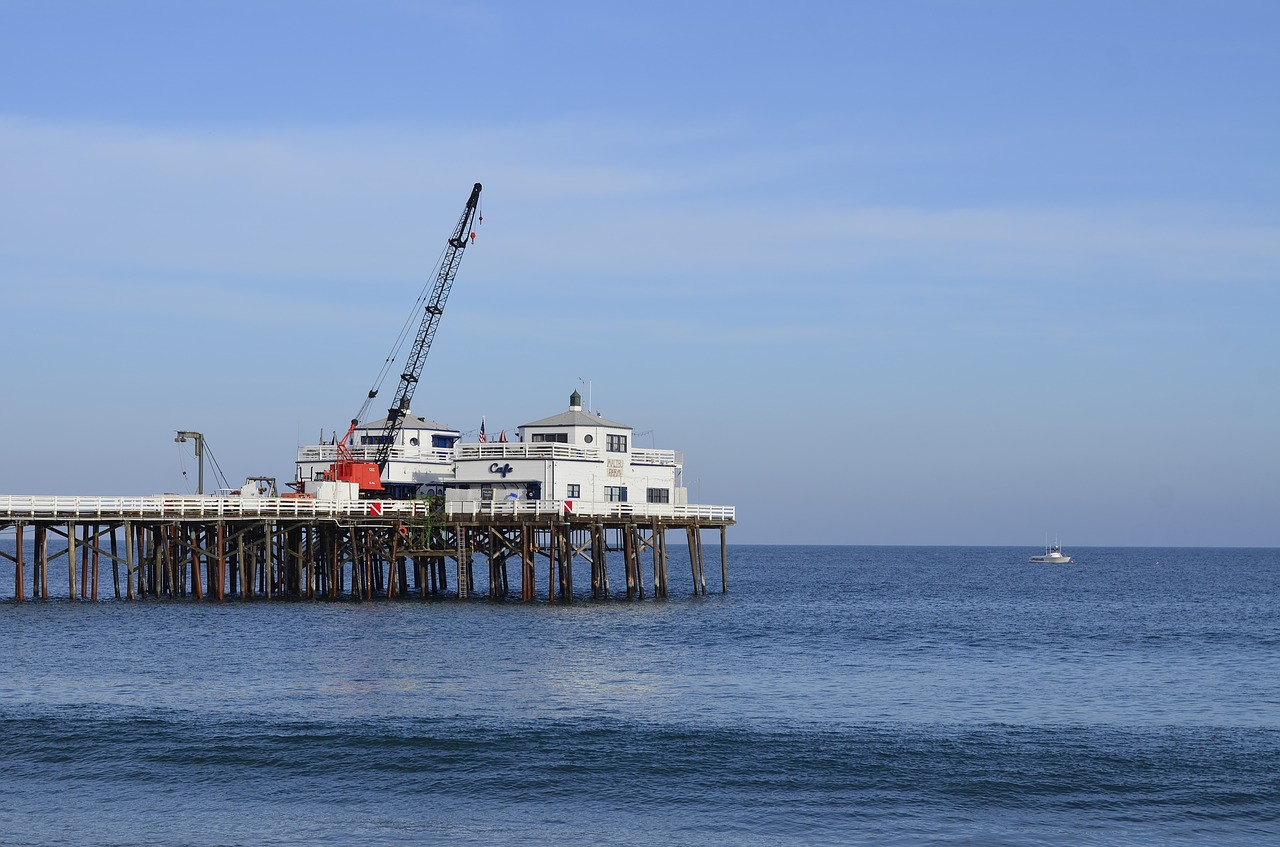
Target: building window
x=616, y=444
x=575, y=491
x=442, y=441
x=615, y=493
x=659, y=495
x=551, y=437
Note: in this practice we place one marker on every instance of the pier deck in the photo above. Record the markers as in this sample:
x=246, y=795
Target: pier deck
x=211, y=547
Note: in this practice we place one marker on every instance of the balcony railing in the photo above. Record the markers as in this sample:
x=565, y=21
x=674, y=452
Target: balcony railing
x=527, y=450
x=329, y=453
x=657, y=457
x=322, y=453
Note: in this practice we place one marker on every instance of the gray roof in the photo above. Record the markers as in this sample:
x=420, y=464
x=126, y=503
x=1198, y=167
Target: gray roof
x=411, y=421
x=576, y=417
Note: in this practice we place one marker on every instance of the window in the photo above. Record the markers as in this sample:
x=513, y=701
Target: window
x=617, y=443
x=551, y=437
x=575, y=491
x=659, y=495
x=374, y=439
x=615, y=493
x=442, y=441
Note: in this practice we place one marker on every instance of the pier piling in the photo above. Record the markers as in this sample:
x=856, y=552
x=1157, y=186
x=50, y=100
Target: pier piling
x=215, y=549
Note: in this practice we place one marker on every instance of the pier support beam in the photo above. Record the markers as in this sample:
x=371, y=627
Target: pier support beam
x=724, y=562
x=18, y=585
x=71, y=560
x=212, y=557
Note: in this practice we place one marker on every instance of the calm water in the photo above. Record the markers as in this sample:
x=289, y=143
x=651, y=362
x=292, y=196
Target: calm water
x=836, y=695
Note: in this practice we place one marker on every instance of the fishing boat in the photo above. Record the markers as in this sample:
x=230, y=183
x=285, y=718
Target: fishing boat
x=1053, y=556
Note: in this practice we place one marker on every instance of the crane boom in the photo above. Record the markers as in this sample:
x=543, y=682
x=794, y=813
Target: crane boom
x=427, y=329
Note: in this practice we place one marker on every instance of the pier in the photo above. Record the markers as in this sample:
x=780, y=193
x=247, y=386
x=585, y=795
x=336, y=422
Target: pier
x=218, y=548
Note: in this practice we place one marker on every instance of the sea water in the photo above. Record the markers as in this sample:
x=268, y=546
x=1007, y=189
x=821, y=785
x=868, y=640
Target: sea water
x=834, y=695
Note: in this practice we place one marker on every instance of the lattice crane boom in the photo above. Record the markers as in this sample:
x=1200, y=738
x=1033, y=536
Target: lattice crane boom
x=462, y=234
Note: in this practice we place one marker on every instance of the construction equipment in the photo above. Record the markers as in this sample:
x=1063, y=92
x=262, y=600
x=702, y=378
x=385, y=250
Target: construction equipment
x=368, y=474
x=364, y=474
x=427, y=329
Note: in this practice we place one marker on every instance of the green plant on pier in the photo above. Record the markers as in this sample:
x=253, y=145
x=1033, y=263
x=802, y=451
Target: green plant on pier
x=419, y=527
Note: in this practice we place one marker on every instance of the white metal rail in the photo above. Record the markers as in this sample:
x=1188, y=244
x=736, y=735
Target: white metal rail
x=18, y=507
x=496, y=450
x=367, y=453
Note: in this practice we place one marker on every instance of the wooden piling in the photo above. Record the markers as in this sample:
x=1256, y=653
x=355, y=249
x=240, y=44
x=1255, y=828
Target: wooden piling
x=724, y=562
x=42, y=556
x=84, y=562
x=18, y=584
x=220, y=557
x=115, y=562
x=197, y=586
x=71, y=560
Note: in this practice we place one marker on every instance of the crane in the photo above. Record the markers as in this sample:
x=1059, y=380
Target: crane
x=427, y=329
x=368, y=475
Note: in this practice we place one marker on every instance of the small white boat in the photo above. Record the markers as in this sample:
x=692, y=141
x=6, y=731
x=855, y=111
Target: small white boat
x=1053, y=555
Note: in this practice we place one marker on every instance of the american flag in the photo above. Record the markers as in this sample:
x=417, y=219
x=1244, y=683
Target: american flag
x=483, y=439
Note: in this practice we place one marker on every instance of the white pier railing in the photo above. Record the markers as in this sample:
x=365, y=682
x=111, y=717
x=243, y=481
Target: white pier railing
x=590, y=508
x=23, y=507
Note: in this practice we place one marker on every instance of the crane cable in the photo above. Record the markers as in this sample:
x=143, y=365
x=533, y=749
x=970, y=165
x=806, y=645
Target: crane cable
x=414, y=316
x=213, y=465
x=406, y=329
x=217, y=470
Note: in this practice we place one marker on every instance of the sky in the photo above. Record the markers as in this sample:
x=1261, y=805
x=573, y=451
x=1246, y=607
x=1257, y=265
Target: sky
x=887, y=273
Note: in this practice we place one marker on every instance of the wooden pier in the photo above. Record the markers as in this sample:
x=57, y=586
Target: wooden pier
x=217, y=548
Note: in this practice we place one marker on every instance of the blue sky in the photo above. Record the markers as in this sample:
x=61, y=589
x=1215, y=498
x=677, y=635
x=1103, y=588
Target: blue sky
x=918, y=272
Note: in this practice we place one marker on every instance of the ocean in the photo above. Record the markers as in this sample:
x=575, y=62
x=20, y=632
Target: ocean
x=834, y=695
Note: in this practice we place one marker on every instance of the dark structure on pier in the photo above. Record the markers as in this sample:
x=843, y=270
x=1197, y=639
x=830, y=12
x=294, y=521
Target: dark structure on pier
x=353, y=556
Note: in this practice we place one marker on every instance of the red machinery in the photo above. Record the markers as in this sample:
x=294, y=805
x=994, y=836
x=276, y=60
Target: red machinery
x=364, y=474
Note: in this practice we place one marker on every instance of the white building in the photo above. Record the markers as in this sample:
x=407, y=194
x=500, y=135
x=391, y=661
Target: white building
x=421, y=458
x=574, y=456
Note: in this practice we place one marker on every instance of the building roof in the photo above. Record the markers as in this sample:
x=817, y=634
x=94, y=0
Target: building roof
x=411, y=421
x=577, y=417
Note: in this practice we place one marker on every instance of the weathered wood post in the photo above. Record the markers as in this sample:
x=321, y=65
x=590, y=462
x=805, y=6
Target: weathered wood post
x=115, y=561
x=42, y=558
x=197, y=587
x=724, y=561
x=71, y=560
x=18, y=587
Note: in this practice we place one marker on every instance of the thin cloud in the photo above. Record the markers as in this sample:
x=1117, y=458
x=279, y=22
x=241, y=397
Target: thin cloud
x=367, y=206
